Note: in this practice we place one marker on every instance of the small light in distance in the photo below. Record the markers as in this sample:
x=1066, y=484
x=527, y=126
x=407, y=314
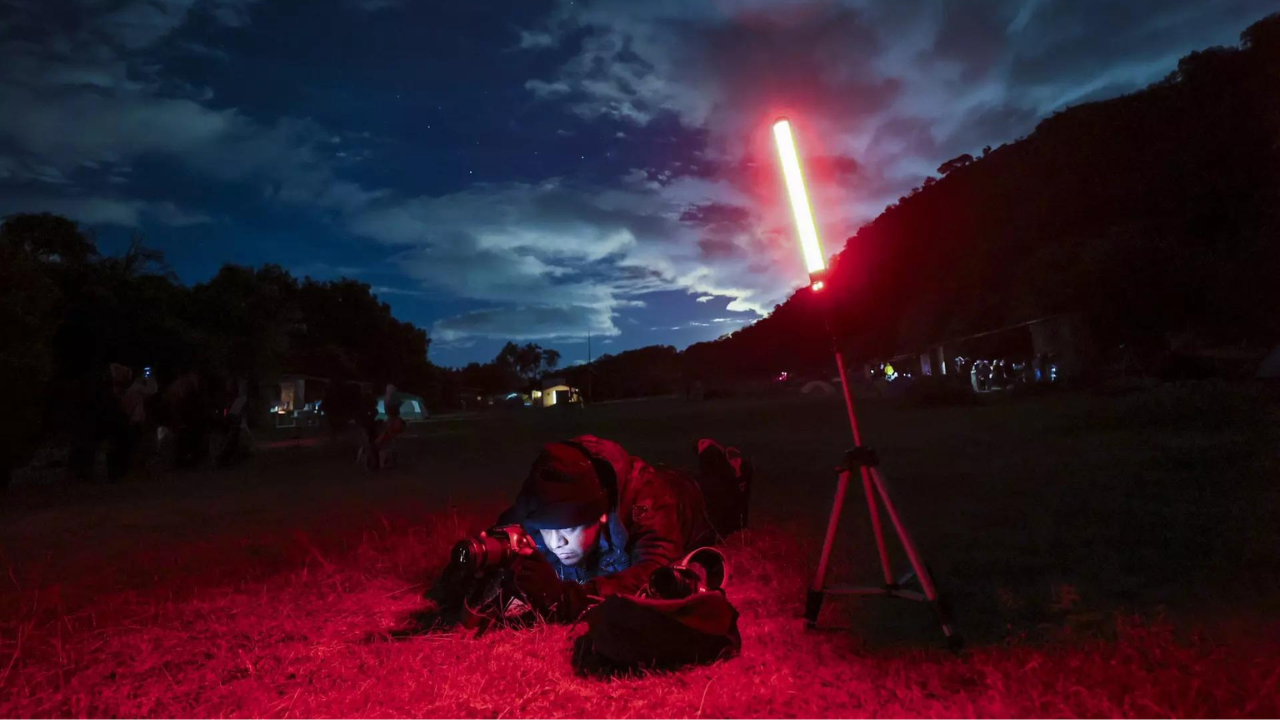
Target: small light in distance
x=817, y=285
x=800, y=208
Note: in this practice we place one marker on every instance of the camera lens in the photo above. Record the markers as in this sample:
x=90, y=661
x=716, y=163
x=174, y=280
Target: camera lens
x=464, y=553
x=495, y=551
x=672, y=584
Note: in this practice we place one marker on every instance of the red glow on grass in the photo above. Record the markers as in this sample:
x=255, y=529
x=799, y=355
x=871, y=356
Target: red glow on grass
x=305, y=629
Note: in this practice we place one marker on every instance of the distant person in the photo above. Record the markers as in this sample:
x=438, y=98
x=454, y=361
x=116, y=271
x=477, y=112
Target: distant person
x=233, y=418
x=115, y=423
x=99, y=415
x=187, y=408
x=136, y=397
x=134, y=401
x=392, y=428
x=981, y=375
x=376, y=452
x=1046, y=374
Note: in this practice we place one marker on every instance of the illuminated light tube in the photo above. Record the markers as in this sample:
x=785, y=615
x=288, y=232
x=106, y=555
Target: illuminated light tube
x=805, y=227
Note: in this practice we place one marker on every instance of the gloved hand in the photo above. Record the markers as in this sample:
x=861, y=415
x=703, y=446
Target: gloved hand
x=553, y=598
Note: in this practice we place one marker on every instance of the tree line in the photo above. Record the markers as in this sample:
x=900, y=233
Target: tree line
x=67, y=311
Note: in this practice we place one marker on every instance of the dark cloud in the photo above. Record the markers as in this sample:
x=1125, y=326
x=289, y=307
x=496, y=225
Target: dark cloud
x=203, y=51
x=377, y=5
x=140, y=23
x=85, y=98
x=900, y=85
x=714, y=249
x=526, y=322
x=536, y=40
x=989, y=125
x=1068, y=53
x=716, y=214
x=170, y=214
x=972, y=34
x=104, y=210
x=555, y=244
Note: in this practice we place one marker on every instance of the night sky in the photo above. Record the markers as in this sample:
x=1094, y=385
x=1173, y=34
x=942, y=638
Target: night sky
x=536, y=170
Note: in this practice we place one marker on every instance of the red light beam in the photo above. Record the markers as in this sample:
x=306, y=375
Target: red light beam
x=813, y=258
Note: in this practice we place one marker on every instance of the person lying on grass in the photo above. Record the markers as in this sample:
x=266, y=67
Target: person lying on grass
x=604, y=520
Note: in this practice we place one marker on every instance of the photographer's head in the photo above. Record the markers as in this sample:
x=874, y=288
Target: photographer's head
x=564, y=500
x=572, y=545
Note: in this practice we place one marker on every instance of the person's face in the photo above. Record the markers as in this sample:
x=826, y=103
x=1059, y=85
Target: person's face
x=573, y=545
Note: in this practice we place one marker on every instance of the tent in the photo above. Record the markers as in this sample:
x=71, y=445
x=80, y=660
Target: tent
x=817, y=387
x=412, y=407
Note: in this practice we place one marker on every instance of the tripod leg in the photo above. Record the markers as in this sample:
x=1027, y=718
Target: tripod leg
x=917, y=564
x=813, y=602
x=877, y=527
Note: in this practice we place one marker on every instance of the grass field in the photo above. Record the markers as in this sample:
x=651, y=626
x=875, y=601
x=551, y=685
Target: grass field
x=1105, y=557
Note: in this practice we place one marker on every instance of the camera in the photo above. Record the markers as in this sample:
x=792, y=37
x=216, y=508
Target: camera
x=702, y=570
x=492, y=549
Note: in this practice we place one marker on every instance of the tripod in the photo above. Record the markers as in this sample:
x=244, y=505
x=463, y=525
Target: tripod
x=864, y=461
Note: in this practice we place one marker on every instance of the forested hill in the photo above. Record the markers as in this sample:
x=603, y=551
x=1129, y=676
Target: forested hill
x=1155, y=215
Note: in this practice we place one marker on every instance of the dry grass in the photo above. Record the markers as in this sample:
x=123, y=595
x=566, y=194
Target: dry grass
x=1098, y=567
x=317, y=642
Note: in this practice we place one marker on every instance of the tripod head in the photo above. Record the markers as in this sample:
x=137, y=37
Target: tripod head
x=818, y=279
x=859, y=457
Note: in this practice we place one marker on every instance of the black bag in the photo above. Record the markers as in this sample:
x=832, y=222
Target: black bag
x=627, y=633
x=725, y=478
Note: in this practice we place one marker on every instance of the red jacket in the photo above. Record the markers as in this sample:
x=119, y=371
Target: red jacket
x=661, y=510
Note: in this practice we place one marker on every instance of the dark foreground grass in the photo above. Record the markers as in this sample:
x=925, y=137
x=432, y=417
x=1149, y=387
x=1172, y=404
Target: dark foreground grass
x=1107, y=558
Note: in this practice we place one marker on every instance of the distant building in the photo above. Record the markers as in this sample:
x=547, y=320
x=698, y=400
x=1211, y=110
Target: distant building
x=1064, y=340
x=297, y=399
x=555, y=391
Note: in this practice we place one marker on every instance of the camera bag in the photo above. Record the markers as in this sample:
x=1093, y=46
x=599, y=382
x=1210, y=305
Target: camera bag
x=628, y=633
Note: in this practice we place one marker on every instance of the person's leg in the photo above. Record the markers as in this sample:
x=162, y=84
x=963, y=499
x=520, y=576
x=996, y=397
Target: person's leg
x=185, y=440
x=248, y=445
x=372, y=429
x=387, y=451
x=231, y=441
x=200, y=442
